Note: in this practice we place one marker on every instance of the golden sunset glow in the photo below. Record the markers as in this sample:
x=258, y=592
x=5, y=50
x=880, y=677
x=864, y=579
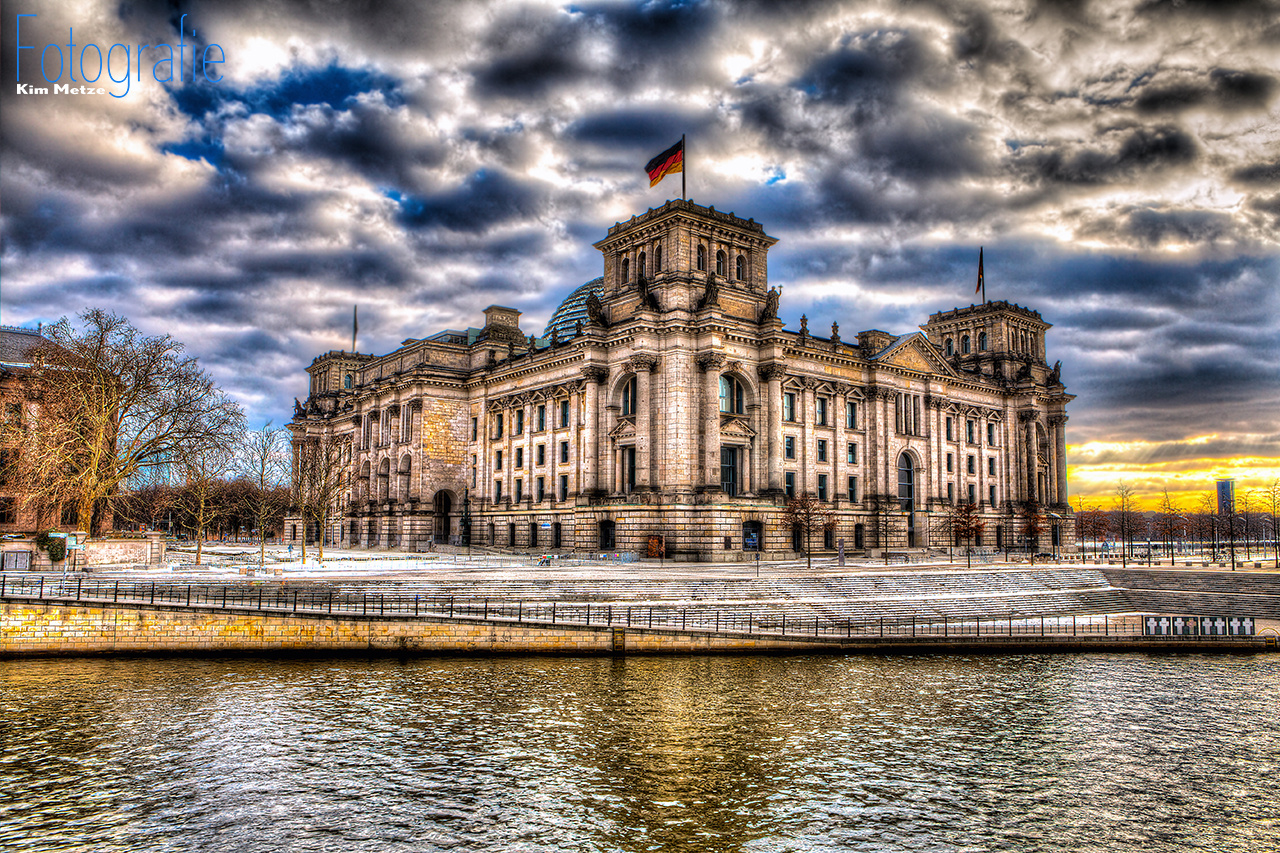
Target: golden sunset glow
x=1186, y=468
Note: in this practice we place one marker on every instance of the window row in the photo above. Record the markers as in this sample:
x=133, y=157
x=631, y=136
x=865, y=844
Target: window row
x=820, y=449
x=949, y=345
x=790, y=412
x=850, y=492
x=971, y=464
x=386, y=427
x=539, y=456
x=539, y=489
x=518, y=424
x=972, y=434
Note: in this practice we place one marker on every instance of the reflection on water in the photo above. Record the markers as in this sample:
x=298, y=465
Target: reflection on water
x=754, y=754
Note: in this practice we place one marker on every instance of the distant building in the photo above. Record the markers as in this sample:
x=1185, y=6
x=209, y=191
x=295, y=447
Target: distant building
x=18, y=408
x=666, y=402
x=1226, y=497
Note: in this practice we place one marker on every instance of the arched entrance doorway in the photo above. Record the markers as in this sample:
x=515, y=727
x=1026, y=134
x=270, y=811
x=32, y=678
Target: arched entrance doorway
x=441, y=506
x=907, y=495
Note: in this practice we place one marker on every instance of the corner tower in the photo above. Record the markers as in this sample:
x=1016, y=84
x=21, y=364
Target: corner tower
x=685, y=257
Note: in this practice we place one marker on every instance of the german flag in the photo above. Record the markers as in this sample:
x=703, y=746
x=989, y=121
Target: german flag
x=667, y=163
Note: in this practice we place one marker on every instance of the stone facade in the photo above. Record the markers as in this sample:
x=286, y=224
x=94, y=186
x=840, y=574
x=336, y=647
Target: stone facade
x=680, y=410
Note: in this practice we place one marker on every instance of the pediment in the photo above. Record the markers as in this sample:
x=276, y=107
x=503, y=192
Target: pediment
x=914, y=352
x=731, y=427
x=625, y=429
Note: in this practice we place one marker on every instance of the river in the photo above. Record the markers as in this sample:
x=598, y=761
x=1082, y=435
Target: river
x=1064, y=752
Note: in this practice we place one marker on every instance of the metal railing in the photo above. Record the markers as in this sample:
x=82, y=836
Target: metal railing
x=281, y=599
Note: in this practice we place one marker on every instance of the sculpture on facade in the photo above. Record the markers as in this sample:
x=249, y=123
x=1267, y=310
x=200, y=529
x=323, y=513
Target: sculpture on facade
x=770, y=311
x=711, y=294
x=595, y=311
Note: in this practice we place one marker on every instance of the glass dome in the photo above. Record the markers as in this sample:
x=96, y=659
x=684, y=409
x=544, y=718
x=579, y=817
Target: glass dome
x=573, y=309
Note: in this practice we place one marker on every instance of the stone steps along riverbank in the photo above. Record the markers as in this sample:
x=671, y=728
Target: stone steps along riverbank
x=79, y=617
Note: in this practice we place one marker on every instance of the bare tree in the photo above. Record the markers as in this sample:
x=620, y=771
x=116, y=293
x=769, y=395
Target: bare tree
x=1169, y=522
x=204, y=471
x=320, y=477
x=1032, y=525
x=264, y=463
x=807, y=514
x=967, y=525
x=1205, y=520
x=1271, y=507
x=112, y=404
x=1092, y=523
x=1126, y=510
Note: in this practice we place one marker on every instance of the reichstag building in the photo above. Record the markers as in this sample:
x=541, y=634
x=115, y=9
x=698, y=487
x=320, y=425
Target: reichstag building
x=666, y=407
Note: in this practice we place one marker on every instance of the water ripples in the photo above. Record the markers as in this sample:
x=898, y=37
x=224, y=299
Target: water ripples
x=1029, y=753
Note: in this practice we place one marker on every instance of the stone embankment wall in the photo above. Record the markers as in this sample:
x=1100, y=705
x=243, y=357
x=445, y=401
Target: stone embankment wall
x=33, y=628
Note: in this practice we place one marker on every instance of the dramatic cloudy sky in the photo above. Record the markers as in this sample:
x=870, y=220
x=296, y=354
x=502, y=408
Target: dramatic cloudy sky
x=1119, y=162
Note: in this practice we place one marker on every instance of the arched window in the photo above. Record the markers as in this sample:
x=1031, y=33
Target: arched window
x=742, y=269
x=964, y=345
x=384, y=479
x=346, y=382
x=720, y=263
x=640, y=265
x=982, y=341
x=950, y=347
x=402, y=478
x=702, y=258
x=906, y=484
x=657, y=259
x=731, y=396
x=362, y=484
x=626, y=269
x=629, y=397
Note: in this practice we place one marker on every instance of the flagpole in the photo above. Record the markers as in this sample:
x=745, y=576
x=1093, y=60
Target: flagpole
x=355, y=324
x=684, y=166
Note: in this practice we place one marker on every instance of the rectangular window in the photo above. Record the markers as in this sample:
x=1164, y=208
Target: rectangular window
x=629, y=468
x=475, y=425
x=968, y=431
x=991, y=495
x=473, y=477
x=497, y=461
x=851, y=415
x=852, y=455
x=853, y=488
x=951, y=493
x=497, y=491
x=519, y=489
x=950, y=460
x=788, y=406
x=564, y=487
x=822, y=487
x=542, y=488
x=991, y=465
x=8, y=514
x=822, y=450
x=729, y=470
x=564, y=451
x=820, y=411
x=991, y=434
x=968, y=464
x=541, y=454
x=499, y=423
x=949, y=436
x=789, y=447
x=519, y=457
x=789, y=483
x=519, y=421
x=542, y=417
x=971, y=489
x=564, y=413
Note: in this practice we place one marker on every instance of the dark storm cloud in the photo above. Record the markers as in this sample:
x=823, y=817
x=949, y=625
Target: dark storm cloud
x=1223, y=89
x=1260, y=174
x=1142, y=149
x=487, y=198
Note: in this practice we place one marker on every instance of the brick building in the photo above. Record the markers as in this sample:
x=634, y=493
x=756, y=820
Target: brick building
x=665, y=399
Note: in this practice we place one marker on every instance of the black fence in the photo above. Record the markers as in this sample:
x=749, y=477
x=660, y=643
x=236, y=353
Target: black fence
x=281, y=599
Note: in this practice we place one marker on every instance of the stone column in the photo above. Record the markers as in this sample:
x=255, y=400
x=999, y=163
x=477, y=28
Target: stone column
x=772, y=375
x=589, y=465
x=643, y=366
x=1059, y=423
x=1029, y=454
x=710, y=363
x=808, y=479
x=839, y=453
